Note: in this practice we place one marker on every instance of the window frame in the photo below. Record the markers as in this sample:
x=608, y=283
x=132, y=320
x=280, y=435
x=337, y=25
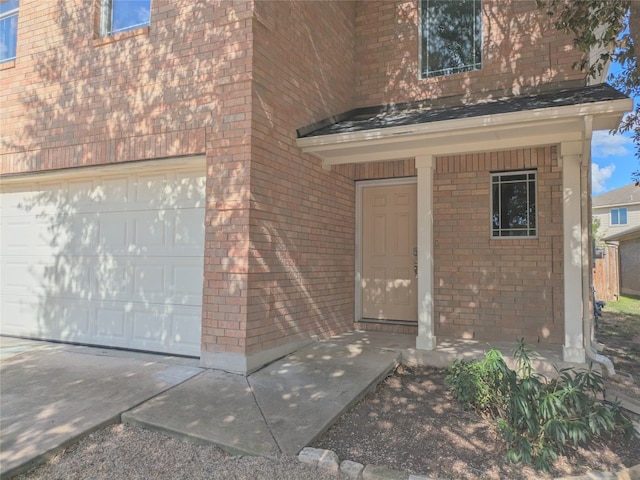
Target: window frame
x=106, y=20
x=6, y=16
x=422, y=38
x=618, y=212
x=530, y=232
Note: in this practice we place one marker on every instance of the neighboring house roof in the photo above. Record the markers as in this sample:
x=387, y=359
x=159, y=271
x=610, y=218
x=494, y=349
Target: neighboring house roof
x=620, y=196
x=626, y=234
x=369, y=118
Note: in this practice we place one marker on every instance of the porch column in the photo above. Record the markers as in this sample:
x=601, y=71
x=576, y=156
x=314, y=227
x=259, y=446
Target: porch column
x=570, y=158
x=426, y=339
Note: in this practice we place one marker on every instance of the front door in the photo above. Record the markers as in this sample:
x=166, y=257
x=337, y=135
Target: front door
x=389, y=253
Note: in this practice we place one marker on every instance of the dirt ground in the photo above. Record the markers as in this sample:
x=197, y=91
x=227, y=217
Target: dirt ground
x=620, y=335
x=412, y=423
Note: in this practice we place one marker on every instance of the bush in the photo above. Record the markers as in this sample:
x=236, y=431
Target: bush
x=536, y=415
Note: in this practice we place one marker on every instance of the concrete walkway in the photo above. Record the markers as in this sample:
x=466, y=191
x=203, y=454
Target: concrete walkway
x=52, y=395
x=278, y=409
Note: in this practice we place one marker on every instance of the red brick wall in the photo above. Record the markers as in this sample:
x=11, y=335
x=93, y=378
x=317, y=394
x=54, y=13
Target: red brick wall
x=500, y=289
x=72, y=99
x=301, y=251
x=378, y=170
x=521, y=49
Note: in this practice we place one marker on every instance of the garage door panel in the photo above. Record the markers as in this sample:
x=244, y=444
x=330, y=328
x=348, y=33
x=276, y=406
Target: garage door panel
x=190, y=189
x=162, y=328
x=29, y=276
x=42, y=278
x=149, y=281
x=112, y=232
x=146, y=334
x=187, y=283
x=82, y=196
x=188, y=229
x=65, y=319
x=82, y=235
x=19, y=315
x=46, y=201
x=101, y=194
x=111, y=324
x=15, y=277
x=77, y=321
x=149, y=229
x=13, y=231
x=65, y=278
x=112, y=279
x=23, y=236
x=151, y=188
x=183, y=189
x=57, y=318
x=107, y=258
x=179, y=327
x=111, y=193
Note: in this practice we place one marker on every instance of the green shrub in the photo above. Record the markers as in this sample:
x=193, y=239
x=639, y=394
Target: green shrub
x=537, y=416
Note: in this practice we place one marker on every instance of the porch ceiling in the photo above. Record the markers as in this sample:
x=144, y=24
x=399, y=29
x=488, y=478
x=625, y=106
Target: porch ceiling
x=513, y=123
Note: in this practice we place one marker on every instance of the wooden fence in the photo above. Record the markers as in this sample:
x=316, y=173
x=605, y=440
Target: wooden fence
x=606, y=274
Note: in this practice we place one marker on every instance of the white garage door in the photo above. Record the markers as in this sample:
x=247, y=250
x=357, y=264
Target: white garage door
x=107, y=256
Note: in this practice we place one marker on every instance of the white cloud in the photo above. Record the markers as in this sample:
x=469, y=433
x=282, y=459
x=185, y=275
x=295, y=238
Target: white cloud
x=599, y=175
x=604, y=144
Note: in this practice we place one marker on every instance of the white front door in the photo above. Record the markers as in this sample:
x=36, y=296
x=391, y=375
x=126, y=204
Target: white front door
x=109, y=257
x=388, y=280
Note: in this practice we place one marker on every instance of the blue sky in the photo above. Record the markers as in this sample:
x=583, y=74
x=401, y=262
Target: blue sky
x=613, y=158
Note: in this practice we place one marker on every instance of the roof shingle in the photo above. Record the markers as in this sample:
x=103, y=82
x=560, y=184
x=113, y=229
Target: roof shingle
x=620, y=196
x=370, y=118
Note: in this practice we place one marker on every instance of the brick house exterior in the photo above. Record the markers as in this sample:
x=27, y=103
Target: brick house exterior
x=227, y=87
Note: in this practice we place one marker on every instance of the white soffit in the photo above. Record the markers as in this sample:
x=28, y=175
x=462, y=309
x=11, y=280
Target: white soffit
x=544, y=126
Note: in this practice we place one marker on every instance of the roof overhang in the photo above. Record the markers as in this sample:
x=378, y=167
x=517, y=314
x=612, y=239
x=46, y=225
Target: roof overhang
x=627, y=234
x=542, y=126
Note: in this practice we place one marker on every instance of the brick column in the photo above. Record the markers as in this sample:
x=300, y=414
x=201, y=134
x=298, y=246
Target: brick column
x=224, y=306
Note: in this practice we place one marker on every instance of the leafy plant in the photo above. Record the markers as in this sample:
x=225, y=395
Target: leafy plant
x=537, y=416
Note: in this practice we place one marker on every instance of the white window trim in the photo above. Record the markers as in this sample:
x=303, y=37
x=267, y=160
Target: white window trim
x=422, y=74
x=9, y=14
x=505, y=173
x=106, y=19
x=618, y=209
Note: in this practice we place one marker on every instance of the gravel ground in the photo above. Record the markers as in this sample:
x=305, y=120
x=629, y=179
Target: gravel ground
x=412, y=423
x=128, y=452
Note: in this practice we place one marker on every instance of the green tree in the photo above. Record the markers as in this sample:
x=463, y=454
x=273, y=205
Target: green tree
x=610, y=27
x=595, y=225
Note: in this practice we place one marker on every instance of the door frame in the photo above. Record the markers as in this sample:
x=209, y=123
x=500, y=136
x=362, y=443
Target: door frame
x=360, y=186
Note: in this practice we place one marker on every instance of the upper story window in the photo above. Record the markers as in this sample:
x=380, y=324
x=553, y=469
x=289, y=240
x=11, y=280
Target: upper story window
x=618, y=216
x=122, y=15
x=451, y=36
x=513, y=200
x=8, y=29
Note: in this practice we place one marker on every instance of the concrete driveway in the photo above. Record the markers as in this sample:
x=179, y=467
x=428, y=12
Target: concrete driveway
x=52, y=394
